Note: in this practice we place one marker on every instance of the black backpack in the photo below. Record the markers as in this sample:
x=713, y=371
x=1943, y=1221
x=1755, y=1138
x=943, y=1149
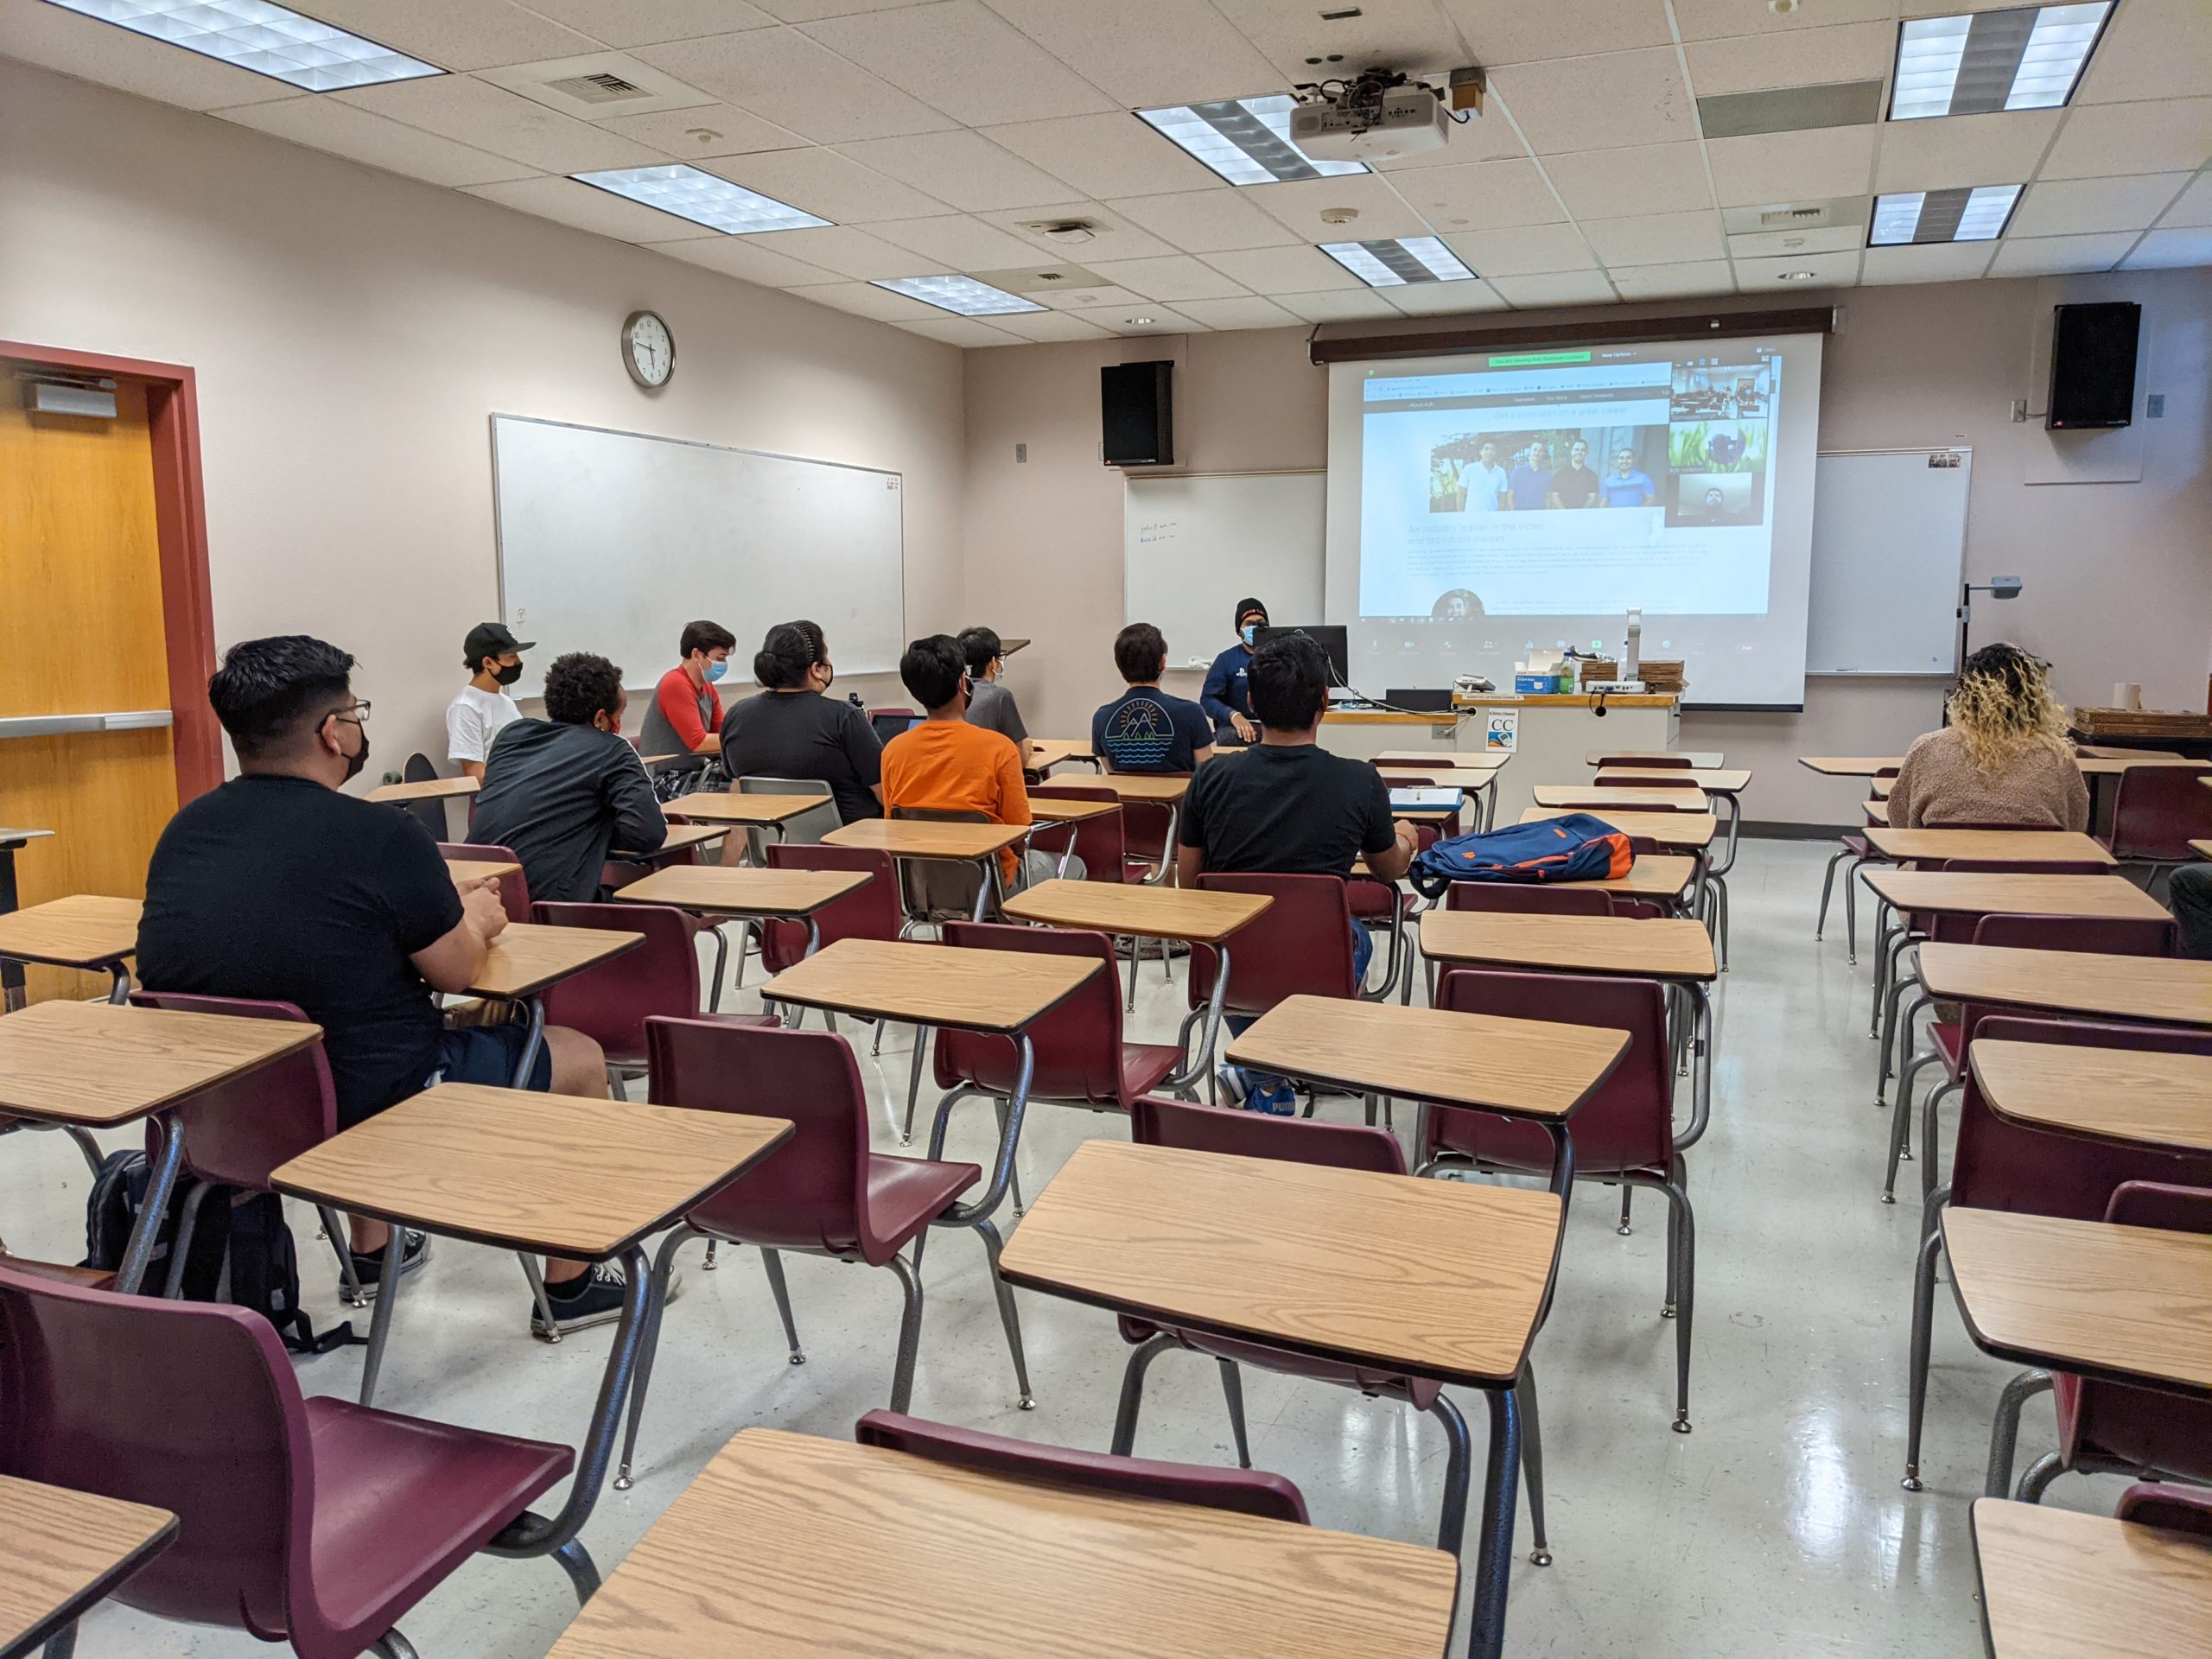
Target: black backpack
x=248, y=1237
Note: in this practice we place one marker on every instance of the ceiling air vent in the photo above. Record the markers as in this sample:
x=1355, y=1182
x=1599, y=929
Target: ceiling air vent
x=597, y=87
x=604, y=87
x=1781, y=218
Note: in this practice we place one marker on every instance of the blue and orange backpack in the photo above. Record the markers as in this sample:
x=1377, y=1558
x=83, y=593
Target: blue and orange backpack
x=1576, y=847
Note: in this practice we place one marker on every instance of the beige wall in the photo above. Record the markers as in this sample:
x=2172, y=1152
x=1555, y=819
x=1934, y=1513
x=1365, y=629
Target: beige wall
x=353, y=331
x=2118, y=575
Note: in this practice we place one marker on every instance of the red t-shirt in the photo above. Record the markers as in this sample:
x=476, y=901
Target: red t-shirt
x=681, y=704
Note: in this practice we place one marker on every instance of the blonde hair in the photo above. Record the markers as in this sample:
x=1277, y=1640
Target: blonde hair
x=2003, y=707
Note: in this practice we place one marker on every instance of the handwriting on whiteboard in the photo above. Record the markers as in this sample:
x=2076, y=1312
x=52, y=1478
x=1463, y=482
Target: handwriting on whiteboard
x=1160, y=530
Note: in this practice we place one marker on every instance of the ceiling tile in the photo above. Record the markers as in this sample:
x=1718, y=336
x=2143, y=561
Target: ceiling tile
x=2163, y=250
x=1556, y=288
x=1797, y=57
x=1443, y=299
x=743, y=257
x=2100, y=140
x=2070, y=207
x=1177, y=277
x=1833, y=239
x=506, y=124
x=90, y=50
x=1599, y=103
x=1300, y=203
x=1934, y=262
x=1773, y=166
x=827, y=184
x=1523, y=251
x=708, y=130
x=325, y=123
x=586, y=208
x=646, y=23
x=810, y=11
x=1206, y=221
x=961, y=59
x=1120, y=50
x=2151, y=48
x=1766, y=276
x=2193, y=206
x=1245, y=313
x=2056, y=256
x=849, y=253
x=1284, y=271
x=1346, y=305
x=964, y=168
x=1961, y=149
x=1049, y=325
x=1115, y=235
x=478, y=35
x=865, y=299
x=1656, y=238
x=962, y=332
x=1705, y=20
x=1393, y=34
x=1608, y=184
x=782, y=77
x=958, y=241
x=1514, y=31
x=1104, y=155
x=1673, y=282
x=1100, y=300
x=1487, y=194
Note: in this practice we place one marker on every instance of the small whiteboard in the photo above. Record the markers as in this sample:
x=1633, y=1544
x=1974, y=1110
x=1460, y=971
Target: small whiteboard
x=1889, y=543
x=1192, y=547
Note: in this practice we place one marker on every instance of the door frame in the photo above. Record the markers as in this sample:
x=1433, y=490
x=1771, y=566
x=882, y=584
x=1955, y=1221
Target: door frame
x=180, y=531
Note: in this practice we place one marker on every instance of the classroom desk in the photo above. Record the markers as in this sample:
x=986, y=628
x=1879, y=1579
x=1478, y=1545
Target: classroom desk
x=1714, y=780
x=1460, y=759
x=755, y=895
x=2159, y=990
x=1002, y=992
x=1850, y=766
x=84, y=930
x=1934, y=844
x=1684, y=831
x=1654, y=875
x=430, y=789
x=2201, y=848
x=60, y=1552
x=2110, y=898
x=2055, y=1585
x=528, y=956
x=754, y=812
x=543, y=1174
x=1700, y=760
x=979, y=844
x=962, y=1561
x=1585, y=798
x=1042, y=754
x=12, y=972
x=1475, y=772
x=2130, y=1096
x=2118, y=1304
x=682, y=838
x=1053, y=809
x=465, y=870
x=98, y=1065
x=1880, y=787
x=1431, y=1279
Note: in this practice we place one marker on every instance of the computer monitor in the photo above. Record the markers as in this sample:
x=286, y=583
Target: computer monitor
x=1329, y=636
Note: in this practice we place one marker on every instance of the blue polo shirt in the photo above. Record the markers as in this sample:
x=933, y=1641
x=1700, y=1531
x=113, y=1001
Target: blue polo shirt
x=1628, y=492
x=1531, y=486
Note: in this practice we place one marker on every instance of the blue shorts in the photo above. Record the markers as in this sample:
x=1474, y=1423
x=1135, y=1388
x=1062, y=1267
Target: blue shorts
x=489, y=1054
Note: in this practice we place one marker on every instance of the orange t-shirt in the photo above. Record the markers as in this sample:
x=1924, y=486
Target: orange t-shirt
x=948, y=765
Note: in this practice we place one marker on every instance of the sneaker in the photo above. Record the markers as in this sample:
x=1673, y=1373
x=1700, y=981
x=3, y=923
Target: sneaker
x=594, y=1299
x=1233, y=1086
x=1278, y=1099
x=368, y=1267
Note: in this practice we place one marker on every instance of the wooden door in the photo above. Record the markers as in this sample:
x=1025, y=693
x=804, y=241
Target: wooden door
x=81, y=632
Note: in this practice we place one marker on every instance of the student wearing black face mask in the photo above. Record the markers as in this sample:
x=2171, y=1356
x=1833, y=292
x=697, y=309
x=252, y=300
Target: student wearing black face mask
x=476, y=715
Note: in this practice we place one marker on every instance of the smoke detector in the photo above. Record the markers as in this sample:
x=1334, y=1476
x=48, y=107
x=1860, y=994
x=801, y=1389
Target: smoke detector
x=1338, y=215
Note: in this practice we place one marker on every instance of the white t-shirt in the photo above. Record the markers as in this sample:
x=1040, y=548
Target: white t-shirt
x=473, y=719
x=1483, y=486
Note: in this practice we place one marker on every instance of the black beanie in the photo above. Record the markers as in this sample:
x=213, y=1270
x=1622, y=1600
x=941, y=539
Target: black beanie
x=1246, y=606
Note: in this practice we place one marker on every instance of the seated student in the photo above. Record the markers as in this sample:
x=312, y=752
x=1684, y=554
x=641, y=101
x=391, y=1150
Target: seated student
x=2189, y=895
x=991, y=705
x=685, y=716
x=1145, y=729
x=1288, y=806
x=2003, y=759
x=1226, y=697
x=562, y=792
x=793, y=730
x=276, y=886
x=485, y=705
x=943, y=764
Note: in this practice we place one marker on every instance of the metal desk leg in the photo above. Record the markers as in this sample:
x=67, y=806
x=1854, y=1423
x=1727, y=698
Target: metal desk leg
x=395, y=1252
x=813, y=935
x=12, y=996
x=991, y=883
x=1494, y=1542
x=531, y=1044
x=62, y=1644
x=967, y=1215
x=120, y=990
x=140, y=1250
x=1203, y=1062
x=1562, y=1181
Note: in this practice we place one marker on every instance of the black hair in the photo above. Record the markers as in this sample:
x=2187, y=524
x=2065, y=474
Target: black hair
x=785, y=656
x=705, y=636
x=931, y=670
x=1289, y=682
x=1139, y=652
x=270, y=693
x=579, y=684
x=979, y=646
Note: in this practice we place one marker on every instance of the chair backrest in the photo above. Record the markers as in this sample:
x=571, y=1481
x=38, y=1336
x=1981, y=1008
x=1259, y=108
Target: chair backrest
x=1633, y=780
x=514, y=890
x=807, y=1192
x=1145, y=826
x=190, y=1406
x=1643, y=762
x=2168, y=1506
x=1520, y=899
x=2108, y=936
x=1078, y=1044
x=1626, y=1124
x=1157, y=1121
x=868, y=913
x=1101, y=843
x=939, y=889
x=432, y=815
x=808, y=827
x=2044, y=866
x=1242, y=1491
x=2157, y=811
x=241, y=1129
x=888, y=723
x=1299, y=945
x=610, y=1003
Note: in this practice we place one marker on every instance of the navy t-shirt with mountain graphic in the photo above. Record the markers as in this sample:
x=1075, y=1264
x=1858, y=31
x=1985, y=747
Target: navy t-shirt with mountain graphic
x=1147, y=730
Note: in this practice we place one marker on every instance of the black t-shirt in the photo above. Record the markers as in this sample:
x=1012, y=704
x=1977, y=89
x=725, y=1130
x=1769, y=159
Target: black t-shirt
x=805, y=734
x=1288, y=810
x=1576, y=487
x=280, y=889
x=1145, y=729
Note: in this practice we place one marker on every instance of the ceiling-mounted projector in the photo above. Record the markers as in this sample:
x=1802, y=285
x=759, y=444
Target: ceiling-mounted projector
x=1365, y=123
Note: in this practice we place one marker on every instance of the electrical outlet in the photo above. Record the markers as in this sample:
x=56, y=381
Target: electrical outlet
x=1021, y=452
x=2154, y=406
x=2020, y=409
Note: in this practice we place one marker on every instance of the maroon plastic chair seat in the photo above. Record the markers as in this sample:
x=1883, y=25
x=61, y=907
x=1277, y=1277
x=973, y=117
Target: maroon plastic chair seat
x=2156, y=814
x=2094, y=934
x=868, y=913
x=1300, y=946
x=514, y=890
x=318, y=1521
x=610, y=1003
x=1102, y=843
x=1529, y=898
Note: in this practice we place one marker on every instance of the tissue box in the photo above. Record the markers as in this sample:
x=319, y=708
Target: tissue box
x=1535, y=685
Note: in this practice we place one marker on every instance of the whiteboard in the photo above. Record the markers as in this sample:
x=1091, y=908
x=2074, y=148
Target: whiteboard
x=610, y=541
x=1889, y=543
x=1193, y=546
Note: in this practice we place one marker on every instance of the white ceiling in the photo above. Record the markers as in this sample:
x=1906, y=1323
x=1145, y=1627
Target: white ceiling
x=929, y=130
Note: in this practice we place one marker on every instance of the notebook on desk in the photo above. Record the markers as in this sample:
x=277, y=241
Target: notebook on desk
x=1426, y=799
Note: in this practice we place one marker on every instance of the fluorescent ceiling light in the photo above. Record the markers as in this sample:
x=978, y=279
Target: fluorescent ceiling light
x=2026, y=58
x=1246, y=140
x=1964, y=215
x=702, y=198
x=962, y=294
x=1395, y=261
x=271, y=41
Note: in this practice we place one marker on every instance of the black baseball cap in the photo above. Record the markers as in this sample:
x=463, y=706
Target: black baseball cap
x=491, y=639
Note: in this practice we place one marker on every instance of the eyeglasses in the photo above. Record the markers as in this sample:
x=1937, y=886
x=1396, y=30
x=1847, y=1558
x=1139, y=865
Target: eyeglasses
x=357, y=715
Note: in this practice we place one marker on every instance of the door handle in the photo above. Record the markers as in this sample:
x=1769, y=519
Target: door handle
x=124, y=720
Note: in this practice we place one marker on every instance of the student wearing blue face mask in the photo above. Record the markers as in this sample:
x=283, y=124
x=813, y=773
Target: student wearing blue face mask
x=1227, y=698
x=685, y=719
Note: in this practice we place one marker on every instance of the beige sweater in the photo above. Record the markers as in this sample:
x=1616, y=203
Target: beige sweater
x=1940, y=783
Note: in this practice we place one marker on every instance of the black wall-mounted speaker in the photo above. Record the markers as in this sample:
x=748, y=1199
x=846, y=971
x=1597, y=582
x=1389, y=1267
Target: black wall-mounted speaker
x=1135, y=414
x=2093, y=365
